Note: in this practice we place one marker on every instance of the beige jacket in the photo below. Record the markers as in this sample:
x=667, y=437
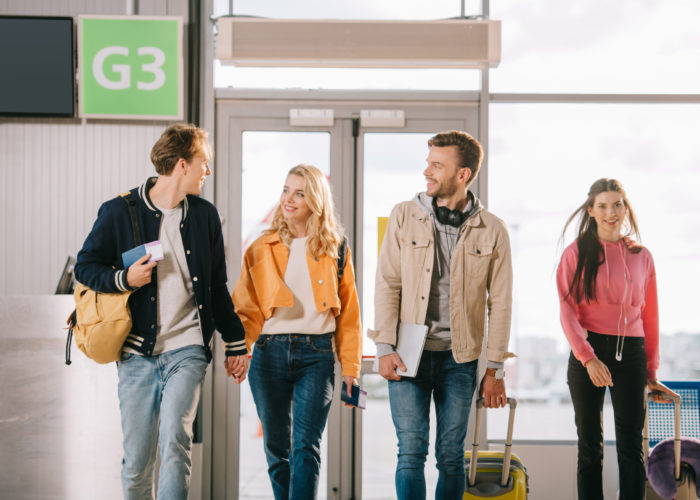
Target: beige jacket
x=481, y=279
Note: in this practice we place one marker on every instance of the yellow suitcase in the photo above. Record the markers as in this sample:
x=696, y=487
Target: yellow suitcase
x=496, y=474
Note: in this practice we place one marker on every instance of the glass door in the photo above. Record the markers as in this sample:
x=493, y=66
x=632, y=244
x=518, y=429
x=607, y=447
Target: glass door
x=267, y=156
x=370, y=170
x=252, y=162
x=392, y=171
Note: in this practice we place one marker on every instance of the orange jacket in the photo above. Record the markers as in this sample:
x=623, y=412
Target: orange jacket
x=261, y=288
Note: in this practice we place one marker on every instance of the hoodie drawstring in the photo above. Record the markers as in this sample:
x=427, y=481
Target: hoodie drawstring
x=436, y=236
x=607, y=267
x=619, y=345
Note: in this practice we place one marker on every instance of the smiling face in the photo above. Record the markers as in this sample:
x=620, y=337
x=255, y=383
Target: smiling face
x=444, y=175
x=196, y=171
x=609, y=212
x=293, y=202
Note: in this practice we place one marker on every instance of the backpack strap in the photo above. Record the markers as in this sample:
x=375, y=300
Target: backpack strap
x=342, y=252
x=138, y=240
x=71, y=323
x=131, y=203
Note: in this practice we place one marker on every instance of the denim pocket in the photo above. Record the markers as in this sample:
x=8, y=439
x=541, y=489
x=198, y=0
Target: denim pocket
x=126, y=356
x=323, y=344
x=262, y=341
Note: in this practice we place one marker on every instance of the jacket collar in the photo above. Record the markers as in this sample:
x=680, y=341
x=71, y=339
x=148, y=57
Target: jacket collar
x=272, y=238
x=425, y=203
x=143, y=193
x=475, y=219
x=424, y=216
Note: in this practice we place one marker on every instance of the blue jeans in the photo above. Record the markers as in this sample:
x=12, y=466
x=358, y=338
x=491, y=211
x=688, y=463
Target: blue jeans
x=629, y=378
x=158, y=398
x=451, y=385
x=291, y=378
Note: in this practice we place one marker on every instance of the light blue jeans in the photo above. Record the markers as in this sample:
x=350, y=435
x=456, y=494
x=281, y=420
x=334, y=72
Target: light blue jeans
x=158, y=398
x=451, y=386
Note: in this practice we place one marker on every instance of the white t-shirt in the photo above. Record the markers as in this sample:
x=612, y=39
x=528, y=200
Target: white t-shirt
x=302, y=317
x=178, y=317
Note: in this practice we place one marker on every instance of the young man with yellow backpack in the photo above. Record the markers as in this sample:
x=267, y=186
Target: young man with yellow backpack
x=175, y=304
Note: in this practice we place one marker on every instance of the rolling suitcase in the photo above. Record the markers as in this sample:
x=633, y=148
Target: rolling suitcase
x=683, y=474
x=495, y=474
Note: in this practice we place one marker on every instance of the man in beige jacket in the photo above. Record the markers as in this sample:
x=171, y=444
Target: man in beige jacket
x=445, y=262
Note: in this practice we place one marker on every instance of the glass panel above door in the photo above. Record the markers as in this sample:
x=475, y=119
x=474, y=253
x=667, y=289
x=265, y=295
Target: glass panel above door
x=357, y=9
x=393, y=172
x=267, y=157
x=346, y=78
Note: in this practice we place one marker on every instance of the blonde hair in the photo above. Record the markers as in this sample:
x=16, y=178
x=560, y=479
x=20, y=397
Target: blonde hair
x=323, y=228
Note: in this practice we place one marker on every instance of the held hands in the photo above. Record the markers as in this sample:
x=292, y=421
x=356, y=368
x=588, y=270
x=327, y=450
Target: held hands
x=599, y=373
x=655, y=386
x=139, y=272
x=237, y=367
x=493, y=391
x=388, y=365
x=349, y=382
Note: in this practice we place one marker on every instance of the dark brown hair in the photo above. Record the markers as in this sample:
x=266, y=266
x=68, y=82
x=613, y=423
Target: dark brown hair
x=181, y=140
x=590, y=250
x=469, y=150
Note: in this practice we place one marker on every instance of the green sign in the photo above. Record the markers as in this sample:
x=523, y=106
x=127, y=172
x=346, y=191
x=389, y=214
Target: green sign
x=130, y=67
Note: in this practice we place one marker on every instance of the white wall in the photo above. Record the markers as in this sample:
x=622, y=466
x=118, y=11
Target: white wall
x=55, y=172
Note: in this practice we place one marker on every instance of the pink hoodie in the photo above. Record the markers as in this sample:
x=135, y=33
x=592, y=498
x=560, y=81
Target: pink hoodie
x=606, y=315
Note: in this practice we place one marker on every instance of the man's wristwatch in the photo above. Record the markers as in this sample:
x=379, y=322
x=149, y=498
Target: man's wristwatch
x=497, y=373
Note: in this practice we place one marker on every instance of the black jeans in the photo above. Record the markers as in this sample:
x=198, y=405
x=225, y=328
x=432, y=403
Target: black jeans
x=627, y=395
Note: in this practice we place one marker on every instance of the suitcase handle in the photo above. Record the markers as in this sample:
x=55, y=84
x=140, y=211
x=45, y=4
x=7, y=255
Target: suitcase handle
x=677, y=429
x=512, y=403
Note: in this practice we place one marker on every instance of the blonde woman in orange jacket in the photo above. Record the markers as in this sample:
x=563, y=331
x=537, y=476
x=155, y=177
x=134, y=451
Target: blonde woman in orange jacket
x=297, y=312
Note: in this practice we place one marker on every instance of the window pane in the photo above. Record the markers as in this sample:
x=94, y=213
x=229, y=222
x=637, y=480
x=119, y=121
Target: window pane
x=595, y=46
x=543, y=159
x=390, y=159
x=357, y=9
x=346, y=78
x=379, y=444
x=267, y=157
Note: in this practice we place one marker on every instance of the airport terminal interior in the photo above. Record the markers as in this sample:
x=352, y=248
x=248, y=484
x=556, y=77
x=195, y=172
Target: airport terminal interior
x=558, y=93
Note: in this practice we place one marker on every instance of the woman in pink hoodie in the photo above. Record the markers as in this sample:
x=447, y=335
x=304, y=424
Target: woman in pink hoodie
x=609, y=313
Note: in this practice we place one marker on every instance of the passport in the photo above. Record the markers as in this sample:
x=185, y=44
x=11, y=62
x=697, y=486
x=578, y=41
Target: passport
x=131, y=256
x=358, y=398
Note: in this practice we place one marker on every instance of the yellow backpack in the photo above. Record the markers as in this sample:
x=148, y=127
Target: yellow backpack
x=101, y=321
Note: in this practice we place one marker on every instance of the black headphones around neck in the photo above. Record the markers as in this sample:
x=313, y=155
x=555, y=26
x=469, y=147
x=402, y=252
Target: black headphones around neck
x=448, y=217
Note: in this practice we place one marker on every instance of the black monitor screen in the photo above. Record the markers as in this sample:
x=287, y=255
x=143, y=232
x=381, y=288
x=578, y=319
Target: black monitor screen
x=36, y=66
